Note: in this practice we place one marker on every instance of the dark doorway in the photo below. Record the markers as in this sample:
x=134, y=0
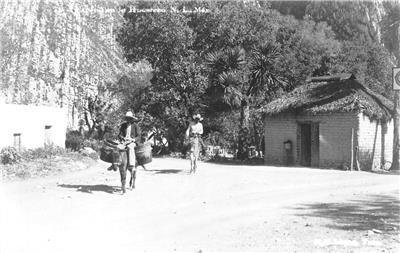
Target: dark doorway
x=305, y=149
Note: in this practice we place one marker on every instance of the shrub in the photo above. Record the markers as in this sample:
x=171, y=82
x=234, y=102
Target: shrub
x=74, y=141
x=47, y=151
x=9, y=155
x=93, y=144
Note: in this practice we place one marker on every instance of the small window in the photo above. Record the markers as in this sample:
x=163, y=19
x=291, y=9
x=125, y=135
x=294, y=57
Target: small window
x=48, y=136
x=17, y=141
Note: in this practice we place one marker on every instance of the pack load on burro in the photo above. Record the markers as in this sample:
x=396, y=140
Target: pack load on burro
x=127, y=152
x=110, y=153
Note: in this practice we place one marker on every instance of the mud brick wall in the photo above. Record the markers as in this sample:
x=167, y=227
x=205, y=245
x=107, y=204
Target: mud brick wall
x=334, y=137
x=32, y=126
x=375, y=140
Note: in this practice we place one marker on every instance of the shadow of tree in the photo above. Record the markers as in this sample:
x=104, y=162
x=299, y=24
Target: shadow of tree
x=92, y=188
x=380, y=212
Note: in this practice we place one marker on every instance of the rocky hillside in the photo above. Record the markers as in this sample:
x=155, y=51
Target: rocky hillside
x=55, y=51
x=349, y=19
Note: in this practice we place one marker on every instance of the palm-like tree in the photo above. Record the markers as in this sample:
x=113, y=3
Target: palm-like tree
x=235, y=80
x=226, y=77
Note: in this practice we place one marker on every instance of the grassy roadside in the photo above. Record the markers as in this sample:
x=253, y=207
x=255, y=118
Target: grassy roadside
x=41, y=163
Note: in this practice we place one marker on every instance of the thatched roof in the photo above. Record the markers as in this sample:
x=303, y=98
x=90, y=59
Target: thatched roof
x=328, y=94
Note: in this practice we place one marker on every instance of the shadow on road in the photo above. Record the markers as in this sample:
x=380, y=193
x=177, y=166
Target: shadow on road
x=381, y=212
x=165, y=171
x=229, y=161
x=92, y=188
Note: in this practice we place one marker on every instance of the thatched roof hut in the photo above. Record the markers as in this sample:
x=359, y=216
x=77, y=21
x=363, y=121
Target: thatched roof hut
x=327, y=94
x=331, y=121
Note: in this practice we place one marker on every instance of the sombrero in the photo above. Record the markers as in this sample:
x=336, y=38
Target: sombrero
x=197, y=116
x=129, y=114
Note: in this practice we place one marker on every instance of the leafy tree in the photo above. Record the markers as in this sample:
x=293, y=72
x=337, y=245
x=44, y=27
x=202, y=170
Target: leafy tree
x=349, y=20
x=294, y=8
x=391, y=39
x=370, y=63
x=306, y=47
x=165, y=41
x=238, y=56
x=390, y=29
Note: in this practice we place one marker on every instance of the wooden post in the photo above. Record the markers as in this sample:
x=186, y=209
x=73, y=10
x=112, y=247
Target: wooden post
x=352, y=150
x=357, y=162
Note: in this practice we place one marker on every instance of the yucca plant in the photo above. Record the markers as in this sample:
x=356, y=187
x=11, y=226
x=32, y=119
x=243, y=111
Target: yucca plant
x=235, y=79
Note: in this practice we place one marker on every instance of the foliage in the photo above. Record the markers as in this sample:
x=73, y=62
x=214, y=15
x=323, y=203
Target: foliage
x=74, y=140
x=41, y=164
x=222, y=130
x=390, y=29
x=45, y=152
x=93, y=144
x=9, y=155
x=294, y=8
x=304, y=47
x=237, y=57
x=370, y=63
x=164, y=40
x=349, y=20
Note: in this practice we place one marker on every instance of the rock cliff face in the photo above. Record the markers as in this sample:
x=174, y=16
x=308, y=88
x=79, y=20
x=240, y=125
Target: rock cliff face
x=54, y=52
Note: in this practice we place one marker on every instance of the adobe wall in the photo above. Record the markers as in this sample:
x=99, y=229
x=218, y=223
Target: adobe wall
x=30, y=122
x=334, y=137
x=375, y=140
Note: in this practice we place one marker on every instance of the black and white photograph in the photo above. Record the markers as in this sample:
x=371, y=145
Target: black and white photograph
x=199, y=126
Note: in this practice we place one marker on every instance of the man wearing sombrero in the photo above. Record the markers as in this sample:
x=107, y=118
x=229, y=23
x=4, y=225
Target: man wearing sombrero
x=129, y=134
x=193, y=133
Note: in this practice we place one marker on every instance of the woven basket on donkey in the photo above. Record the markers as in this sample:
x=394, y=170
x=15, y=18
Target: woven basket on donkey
x=110, y=153
x=143, y=153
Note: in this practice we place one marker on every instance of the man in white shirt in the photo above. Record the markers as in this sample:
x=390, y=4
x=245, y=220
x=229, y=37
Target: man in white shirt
x=193, y=133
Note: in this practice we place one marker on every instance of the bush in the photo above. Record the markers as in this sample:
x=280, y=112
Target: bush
x=74, y=141
x=9, y=155
x=93, y=144
x=45, y=152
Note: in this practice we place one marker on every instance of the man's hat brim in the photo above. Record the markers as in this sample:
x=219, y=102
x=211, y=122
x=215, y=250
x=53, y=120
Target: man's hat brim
x=132, y=118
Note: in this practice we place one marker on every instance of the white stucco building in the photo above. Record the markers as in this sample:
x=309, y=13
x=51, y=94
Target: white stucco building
x=30, y=126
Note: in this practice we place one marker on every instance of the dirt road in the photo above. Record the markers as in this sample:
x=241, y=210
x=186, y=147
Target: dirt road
x=221, y=208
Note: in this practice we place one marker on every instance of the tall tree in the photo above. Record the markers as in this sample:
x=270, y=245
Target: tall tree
x=391, y=39
x=236, y=79
x=165, y=40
